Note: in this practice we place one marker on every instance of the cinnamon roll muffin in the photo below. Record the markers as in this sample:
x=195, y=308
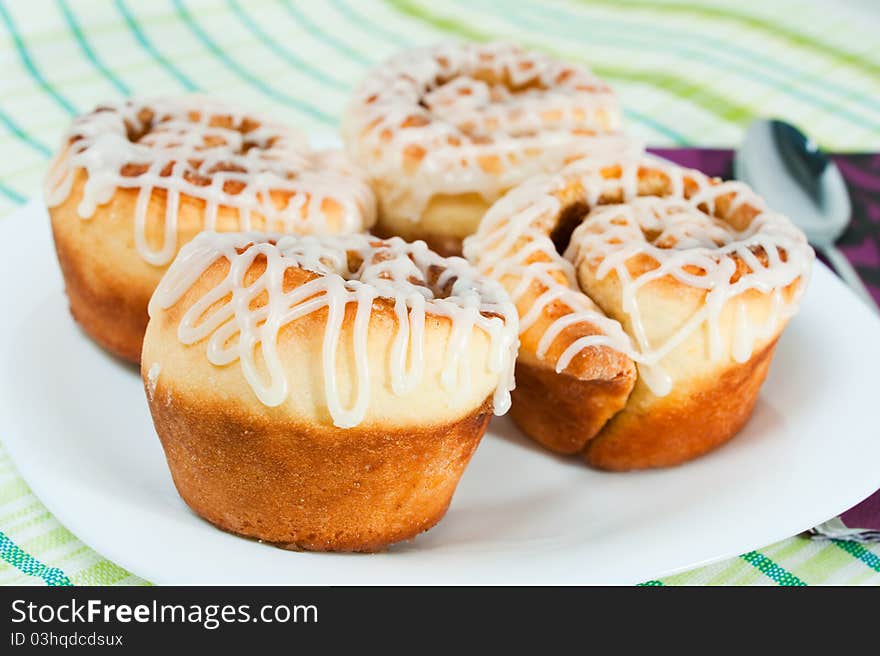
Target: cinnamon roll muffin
x=133, y=182
x=445, y=131
x=651, y=299
x=324, y=392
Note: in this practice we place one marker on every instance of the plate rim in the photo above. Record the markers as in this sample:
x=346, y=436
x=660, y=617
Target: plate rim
x=106, y=548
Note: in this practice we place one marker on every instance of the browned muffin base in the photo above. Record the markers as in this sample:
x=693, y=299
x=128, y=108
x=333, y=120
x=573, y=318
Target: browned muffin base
x=307, y=487
x=562, y=412
x=110, y=311
x=668, y=431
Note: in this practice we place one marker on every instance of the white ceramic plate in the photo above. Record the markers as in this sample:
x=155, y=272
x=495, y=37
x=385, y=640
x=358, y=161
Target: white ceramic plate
x=76, y=423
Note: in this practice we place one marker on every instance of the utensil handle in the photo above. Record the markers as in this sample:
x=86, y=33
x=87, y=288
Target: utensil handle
x=849, y=275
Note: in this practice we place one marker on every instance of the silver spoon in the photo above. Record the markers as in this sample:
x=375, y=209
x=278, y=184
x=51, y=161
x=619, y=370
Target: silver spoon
x=796, y=178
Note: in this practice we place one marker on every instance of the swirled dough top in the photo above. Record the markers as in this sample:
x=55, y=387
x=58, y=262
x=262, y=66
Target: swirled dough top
x=198, y=147
x=716, y=237
x=242, y=317
x=467, y=117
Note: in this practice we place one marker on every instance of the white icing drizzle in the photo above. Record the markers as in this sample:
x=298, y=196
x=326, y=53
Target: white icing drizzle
x=478, y=117
x=153, y=379
x=681, y=240
x=197, y=147
x=388, y=269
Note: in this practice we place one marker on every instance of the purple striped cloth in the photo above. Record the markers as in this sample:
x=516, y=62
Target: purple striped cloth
x=861, y=245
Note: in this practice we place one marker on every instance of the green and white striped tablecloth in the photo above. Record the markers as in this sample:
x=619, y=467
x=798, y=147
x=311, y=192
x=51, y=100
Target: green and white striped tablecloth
x=688, y=73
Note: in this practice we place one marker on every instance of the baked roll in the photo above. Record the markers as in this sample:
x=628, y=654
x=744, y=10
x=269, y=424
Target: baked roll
x=651, y=298
x=135, y=181
x=324, y=392
x=445, y=131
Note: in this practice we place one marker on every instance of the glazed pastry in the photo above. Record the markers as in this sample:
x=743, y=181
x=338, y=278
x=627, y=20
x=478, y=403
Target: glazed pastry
x=444, y=131
x=134, y=182
x=324, y=393
x=651, y=298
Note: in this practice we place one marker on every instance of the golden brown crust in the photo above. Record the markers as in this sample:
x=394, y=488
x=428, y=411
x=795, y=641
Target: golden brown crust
x=310, y=487
x=691, y=421
x=108, y=285
x=562, y=412
x=115, y=318
x=600, y=363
